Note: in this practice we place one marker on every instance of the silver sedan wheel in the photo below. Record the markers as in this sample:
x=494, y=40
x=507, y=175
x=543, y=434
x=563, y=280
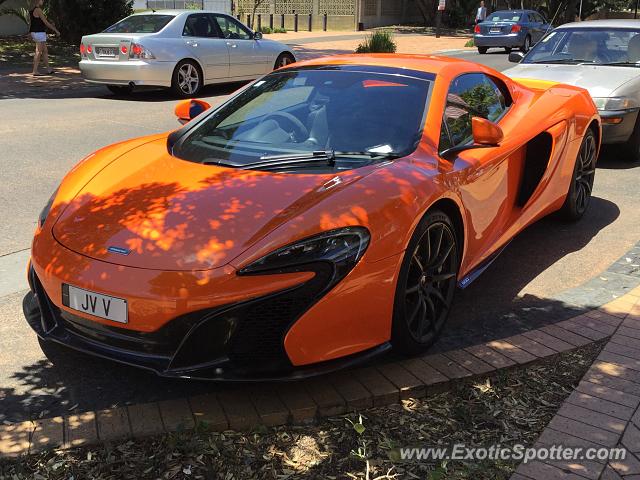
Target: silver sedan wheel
x=188, y=79
x=283, y=60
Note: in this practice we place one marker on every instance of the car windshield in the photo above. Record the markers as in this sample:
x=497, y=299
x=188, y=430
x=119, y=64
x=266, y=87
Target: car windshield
x=600, y=46
x=140, y=24
x=504, y=17
x=341, y=117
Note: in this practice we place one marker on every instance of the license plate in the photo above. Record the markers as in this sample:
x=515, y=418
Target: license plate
x=96, y=304
x=495, y=30
x=106, y=51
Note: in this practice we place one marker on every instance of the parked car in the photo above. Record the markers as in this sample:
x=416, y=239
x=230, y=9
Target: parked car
x=602, y=56
x=510, y=29
x=181, y=49
x=321, y=215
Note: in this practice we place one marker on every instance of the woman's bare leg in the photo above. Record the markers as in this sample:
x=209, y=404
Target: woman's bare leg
x=36, y=58
x=45, y=57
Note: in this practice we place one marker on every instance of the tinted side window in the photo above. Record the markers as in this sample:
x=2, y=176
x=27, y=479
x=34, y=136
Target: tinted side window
x=232, y=29
x=199, y=25
x=470, y=95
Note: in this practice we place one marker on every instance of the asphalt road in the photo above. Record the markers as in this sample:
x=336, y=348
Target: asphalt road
x=41, y=138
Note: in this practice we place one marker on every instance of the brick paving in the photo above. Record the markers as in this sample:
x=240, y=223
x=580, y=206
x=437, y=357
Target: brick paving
x=601, y=411
x=604, y=409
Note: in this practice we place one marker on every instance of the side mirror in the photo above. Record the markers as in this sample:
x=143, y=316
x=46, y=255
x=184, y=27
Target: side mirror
x=485, y=134
x=187, y=110
x=516, y=57
x=257, y=35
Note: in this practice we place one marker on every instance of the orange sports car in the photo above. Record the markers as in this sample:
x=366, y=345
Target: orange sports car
x=321, y=215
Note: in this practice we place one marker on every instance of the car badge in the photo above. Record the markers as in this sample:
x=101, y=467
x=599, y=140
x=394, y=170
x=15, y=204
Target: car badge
x=119, y=250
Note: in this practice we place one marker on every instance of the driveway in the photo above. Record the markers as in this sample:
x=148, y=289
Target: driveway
x=44, y=135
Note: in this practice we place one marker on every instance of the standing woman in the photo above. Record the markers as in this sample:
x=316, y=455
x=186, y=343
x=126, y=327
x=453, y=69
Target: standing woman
x=38, y=29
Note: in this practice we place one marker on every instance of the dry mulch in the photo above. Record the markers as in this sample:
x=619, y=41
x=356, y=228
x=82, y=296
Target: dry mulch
x=513, y=407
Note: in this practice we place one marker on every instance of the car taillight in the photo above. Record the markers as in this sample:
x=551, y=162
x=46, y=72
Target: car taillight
x=124, y=49
x=476, y=29
x=83, y=49
x=89, y=49
x=515, y=28
x=138, y=51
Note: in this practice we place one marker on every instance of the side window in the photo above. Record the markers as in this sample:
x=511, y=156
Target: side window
x=471, y=95
x=199, y=25
x=232, y=29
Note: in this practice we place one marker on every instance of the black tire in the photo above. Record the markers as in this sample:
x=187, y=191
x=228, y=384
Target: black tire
x=507, y=50
x=482, y=50
x=283, y=60
x=186, y=80
x=120, y=90
x=526, y=45
x=632, y=146
x=584, y=171
x=426, y=284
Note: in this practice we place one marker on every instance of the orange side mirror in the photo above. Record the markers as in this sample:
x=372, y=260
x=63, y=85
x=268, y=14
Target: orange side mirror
x=187, y=110
x=485, y=132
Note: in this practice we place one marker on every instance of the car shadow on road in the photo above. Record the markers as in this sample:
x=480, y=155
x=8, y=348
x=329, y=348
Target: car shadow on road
x=612, y=157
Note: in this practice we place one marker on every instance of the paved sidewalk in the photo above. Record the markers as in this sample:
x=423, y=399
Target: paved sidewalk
x=603, y=411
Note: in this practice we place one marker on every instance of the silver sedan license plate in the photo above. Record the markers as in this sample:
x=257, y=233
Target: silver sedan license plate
x=106, y=51
x=96, y=304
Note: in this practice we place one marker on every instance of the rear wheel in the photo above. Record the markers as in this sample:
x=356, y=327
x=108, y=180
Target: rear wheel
x=283, y=60
x=120, y=90
x=482, y=50
x=426, y=284
x=187, y=79
x=584, y=171
x=526, y=45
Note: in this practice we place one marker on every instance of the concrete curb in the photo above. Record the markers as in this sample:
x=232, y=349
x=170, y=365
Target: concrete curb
x=245, y=407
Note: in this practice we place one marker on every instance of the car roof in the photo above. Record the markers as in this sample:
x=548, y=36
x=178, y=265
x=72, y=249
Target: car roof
x=612, y=23
x=513, y=11
x=435, y=64
x=177, y=12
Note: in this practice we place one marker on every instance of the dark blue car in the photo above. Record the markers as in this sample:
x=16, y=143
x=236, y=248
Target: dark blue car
x=510, y=29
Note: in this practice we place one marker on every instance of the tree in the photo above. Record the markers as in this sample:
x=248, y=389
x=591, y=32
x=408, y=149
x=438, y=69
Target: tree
x=75, y=18
x=256, y=5
x=20, y=11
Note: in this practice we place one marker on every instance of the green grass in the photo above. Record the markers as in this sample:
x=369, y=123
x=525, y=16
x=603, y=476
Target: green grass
x=19, y=50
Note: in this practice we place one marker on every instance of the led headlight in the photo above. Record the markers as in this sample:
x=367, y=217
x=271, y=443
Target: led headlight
x=615, y=103
x=45, y=211
x=342, y=248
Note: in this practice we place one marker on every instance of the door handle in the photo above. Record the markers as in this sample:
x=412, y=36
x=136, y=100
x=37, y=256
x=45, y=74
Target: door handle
x=192, y=44
x=232, y=45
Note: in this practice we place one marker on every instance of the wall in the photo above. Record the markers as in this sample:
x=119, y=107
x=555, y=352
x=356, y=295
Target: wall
x=10, y=24
x=379, y=13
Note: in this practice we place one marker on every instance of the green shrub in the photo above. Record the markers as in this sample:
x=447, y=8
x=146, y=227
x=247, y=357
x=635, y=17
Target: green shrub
x=266, y=30
x=378, y=42
x=279, y=30
x=75, y=18
x=469, y=43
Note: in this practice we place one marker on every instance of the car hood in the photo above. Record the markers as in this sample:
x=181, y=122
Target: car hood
x=600, y=81
x=148, y=209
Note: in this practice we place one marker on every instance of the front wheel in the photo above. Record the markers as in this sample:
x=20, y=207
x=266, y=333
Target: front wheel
x=283, y=60
x=482, y=50
x=632, y=146
x=187, y=79
x=527, y=44
x=584, y=172
x=426, y=284
x=507, y=50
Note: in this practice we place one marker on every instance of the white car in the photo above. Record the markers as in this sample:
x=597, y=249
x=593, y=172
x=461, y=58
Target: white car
x=180, y=49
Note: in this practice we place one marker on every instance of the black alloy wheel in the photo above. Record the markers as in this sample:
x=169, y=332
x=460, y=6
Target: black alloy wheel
x=579, y=195
x=426, y=285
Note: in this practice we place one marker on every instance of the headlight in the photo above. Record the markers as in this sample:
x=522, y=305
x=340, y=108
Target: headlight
x=342, y=248
x=615, y=103
x=45, y=211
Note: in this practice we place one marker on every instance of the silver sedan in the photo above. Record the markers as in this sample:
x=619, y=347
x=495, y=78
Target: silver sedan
x=602, y=56
x=180, y=49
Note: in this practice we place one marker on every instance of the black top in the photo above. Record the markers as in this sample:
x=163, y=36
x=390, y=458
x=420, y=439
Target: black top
x=36, y=24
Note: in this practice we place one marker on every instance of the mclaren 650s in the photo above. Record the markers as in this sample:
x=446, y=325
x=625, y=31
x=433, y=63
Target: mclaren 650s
x=323, y=214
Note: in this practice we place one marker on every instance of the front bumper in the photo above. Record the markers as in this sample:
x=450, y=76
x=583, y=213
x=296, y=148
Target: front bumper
x=511, y=40
x=224, y=343
x=139, y=72
x=617, y=132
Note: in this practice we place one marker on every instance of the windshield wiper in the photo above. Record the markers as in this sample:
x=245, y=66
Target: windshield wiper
x=627, y=63
x=325, y=157
x=563, y=60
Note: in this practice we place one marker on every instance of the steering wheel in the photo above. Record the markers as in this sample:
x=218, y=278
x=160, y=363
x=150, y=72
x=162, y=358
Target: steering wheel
x=299, y=131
